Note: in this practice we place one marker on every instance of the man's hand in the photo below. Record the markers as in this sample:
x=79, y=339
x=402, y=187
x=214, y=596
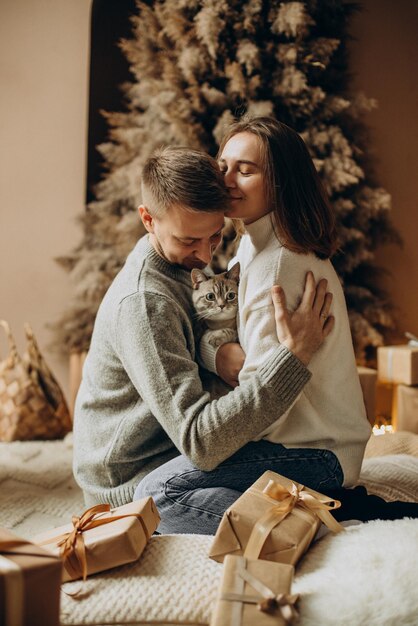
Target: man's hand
x=230, y=358
x=304, y=331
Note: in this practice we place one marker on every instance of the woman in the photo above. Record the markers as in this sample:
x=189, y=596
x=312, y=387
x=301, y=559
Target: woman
x=290, y=229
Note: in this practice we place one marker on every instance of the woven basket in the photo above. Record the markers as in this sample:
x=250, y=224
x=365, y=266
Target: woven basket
x=32, y=405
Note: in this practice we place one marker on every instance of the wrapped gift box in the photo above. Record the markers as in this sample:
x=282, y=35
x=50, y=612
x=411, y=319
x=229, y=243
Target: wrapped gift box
x=30, y=580
x=111, y=537
x=398, y=364
x=275, y=519
x=405, y=408
x=384, y=400
x=254, y=592
x=368, y=380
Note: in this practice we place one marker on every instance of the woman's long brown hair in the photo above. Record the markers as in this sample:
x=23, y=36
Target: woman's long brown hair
x=304, y=217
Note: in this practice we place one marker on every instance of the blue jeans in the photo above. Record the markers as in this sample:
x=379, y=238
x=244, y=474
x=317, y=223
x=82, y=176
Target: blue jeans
x=192, y=501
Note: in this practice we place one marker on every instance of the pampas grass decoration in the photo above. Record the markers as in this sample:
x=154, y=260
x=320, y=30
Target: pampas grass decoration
x=196, y=66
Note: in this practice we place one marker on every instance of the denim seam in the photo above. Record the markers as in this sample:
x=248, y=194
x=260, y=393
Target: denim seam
x=333, y=463
x=273, y=458
x=188, y=506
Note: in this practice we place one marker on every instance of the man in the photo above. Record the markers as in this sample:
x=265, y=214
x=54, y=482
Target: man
x=141, y=402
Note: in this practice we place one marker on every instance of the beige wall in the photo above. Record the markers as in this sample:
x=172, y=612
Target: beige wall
x=44, y=56
x=384, y=61
x=43, y=115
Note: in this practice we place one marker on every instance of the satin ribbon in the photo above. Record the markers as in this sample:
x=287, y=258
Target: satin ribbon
x=71, y=543
x=390, y=364
x=288, y=498
x=267, y=601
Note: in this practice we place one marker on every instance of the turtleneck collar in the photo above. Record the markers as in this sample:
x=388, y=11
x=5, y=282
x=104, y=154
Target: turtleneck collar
x=260, y=231
x=177, y=272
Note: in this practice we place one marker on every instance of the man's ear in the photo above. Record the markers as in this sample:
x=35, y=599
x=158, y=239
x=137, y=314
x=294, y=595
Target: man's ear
x=146, y=218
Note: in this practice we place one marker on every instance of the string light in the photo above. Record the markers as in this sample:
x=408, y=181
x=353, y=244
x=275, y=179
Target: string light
x=383, y=429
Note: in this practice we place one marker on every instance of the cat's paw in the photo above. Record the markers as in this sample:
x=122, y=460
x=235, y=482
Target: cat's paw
x=219, y=337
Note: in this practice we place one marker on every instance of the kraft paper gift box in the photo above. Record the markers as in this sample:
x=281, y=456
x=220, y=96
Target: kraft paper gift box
x=398, y=364
x=385, y=398
x=254, y=593
x=276, y=519
x=102, y=538
x=368, y=381
x=30, y=580
x=405, y=408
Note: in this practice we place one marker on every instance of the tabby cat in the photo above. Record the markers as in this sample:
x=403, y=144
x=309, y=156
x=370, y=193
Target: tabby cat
x=216, y=302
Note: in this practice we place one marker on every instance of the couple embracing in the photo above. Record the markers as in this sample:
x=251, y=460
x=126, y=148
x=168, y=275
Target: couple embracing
x=147, y=421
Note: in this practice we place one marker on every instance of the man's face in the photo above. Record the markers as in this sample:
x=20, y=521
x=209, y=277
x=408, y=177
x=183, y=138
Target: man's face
x=184, y=237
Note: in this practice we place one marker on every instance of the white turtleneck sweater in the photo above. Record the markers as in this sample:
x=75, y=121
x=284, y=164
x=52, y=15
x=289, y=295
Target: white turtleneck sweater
x=329, y=413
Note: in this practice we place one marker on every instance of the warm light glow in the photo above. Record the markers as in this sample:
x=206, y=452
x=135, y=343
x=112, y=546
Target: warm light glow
x=383, y=429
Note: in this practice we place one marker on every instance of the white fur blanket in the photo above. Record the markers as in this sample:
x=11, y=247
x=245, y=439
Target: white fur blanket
x=366, y=576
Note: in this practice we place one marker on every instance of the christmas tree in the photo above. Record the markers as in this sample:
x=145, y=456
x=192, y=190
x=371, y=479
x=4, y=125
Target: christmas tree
x=197, y=65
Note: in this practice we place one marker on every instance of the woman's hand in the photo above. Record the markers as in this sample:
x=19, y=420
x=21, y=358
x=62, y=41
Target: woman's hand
x=230, y=358
x=304, y=330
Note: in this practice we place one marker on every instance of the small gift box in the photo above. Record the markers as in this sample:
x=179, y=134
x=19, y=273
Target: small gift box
x=398, y=364
x=368, y=380
x=102, y=537
x=405, y=408
x=254, y=592
x=275, y=519
x=385, y=398
x=30, y=580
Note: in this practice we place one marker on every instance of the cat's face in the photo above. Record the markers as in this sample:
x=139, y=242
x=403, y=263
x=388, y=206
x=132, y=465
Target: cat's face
x=216, y=296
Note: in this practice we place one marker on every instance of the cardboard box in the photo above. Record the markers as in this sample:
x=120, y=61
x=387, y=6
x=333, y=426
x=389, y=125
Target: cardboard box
x=398, y=364
x=384, y=401
x=254, y=593
x=368, y=381
x=30, y=581
x=111, y=537
x=275, y=519
x=405, y=408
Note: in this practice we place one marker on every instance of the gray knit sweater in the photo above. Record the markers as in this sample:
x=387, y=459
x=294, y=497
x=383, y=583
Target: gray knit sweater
x=142, y=401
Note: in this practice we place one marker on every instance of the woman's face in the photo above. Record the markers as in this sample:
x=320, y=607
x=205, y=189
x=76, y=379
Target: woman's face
x=241, y=164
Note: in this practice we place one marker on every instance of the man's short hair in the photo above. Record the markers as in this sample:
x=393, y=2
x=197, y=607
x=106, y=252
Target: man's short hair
x=181, y=176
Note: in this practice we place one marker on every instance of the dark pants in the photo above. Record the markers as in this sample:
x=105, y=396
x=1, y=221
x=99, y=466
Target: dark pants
x=358, y=504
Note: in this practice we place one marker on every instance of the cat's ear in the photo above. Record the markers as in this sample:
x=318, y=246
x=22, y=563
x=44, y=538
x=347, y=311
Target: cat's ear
x=197, y=277
x=233, y=273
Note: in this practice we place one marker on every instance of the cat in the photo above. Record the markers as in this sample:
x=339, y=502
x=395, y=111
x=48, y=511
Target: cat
x=215, y=299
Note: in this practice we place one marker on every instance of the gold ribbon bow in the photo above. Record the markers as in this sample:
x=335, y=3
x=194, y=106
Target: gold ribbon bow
x=71, y=544
x=267, y=601
x=288, y=498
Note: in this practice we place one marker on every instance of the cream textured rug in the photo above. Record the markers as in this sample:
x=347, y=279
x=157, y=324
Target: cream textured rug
x=37, y=488
x=401, y=442
x=392, y=477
